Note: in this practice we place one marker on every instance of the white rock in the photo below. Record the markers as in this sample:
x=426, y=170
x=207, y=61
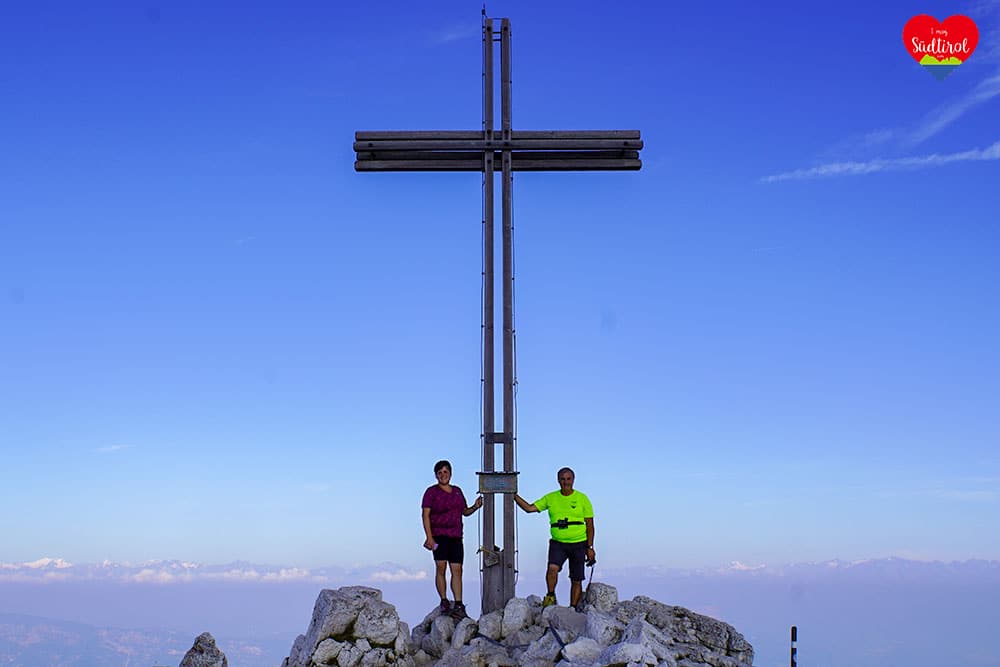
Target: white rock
x=479, y=653
x=403, y=645
x=464, y=632
x=620, y=654
x=349, y=656
x=490, y=624
x=545, y=649
x=602, y=597
x=568, y=622
x=603, y=628
x=421, y=658
x=516, y=615
x=327, y=652
x=378, y=657
x=204, y=653
x=438, y=640
x=584, y=650
x=377, y=622
x=525, y=636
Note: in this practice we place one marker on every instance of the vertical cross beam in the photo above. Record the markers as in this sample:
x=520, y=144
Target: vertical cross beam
x=498, y=574
x=493, y=588
x=509, y=548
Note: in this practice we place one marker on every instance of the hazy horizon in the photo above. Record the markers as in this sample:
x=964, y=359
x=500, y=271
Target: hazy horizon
x=861, y=614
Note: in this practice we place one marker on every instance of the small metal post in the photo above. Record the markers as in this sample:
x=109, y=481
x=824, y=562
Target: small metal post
x=794, y=639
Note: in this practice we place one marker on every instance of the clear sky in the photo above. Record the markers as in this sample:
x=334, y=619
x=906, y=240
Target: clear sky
x=777, y=342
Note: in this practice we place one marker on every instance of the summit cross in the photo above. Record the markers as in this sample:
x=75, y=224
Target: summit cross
x=514, y=150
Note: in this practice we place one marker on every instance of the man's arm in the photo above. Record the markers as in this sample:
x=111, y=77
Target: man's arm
x=591, y=554
x=429, y=542
x=524, y=504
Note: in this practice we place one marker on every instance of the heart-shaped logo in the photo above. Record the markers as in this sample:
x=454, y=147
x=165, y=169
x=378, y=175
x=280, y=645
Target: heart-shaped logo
x=940, y=46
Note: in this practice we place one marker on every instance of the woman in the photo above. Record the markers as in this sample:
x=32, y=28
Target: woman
x=443, y=507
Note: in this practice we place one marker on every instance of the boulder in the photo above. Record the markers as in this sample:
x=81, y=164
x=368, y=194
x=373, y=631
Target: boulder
x=352, y=626
x=516, y=616
x=204, y=653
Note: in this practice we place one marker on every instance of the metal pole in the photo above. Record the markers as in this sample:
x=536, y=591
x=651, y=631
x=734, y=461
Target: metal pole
x=492, y=574
x=794, y=639
x=509, y=548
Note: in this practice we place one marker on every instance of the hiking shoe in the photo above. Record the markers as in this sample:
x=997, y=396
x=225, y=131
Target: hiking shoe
x=458, y=611
x=445, y=607
x=549, y=600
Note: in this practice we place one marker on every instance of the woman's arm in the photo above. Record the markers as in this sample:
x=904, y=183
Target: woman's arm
x=429, y=543
x=470, y=510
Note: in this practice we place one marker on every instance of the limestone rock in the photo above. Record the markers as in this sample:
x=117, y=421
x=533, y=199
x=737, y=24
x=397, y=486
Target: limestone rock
x=603, y=628
x=403, y=644
x=624, y=653
x=352, y=626
x=545, y=649
x=349, y=656
x=516, y=615
x=204, y=653
x=464, y=631
x=602, y=597
x=582, y=651
x=569, y=623
x=377, y=622
x=327, y=652
x=490, y=625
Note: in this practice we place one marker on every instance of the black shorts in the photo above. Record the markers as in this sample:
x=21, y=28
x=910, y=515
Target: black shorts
x=576, y=552
x=449, y=549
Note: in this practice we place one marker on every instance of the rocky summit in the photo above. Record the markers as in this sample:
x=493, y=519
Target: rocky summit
x=354, y=627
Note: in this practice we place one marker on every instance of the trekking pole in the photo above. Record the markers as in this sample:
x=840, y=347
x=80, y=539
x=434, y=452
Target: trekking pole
x=794, y=638
x=586, y=594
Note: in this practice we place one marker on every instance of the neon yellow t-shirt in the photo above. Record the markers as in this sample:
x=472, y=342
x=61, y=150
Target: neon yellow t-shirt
x=574, y=507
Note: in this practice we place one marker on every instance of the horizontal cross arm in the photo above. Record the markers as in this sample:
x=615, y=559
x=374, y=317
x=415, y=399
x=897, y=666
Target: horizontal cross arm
x=516, y=156
x=434, y=135
x=480, y=145
x=527, y=163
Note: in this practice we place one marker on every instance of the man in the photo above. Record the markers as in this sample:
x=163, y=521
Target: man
x=571, y=518
x=442, y=509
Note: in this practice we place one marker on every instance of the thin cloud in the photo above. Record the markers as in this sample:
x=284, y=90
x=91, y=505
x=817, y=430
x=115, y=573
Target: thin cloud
x=884, y=164
x=454, y=34
x=932, y=123
x=111, y=449
x=946, y=114
x=398, y=575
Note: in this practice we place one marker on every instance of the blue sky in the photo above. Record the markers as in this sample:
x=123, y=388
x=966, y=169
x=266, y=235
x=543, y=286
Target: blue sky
x=776, y=342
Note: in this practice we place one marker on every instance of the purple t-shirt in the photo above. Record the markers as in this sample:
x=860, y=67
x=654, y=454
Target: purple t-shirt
x=446, y=510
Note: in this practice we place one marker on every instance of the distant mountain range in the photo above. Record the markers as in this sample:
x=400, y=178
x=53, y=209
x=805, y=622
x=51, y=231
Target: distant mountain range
x=31, y=641
x=177, y=571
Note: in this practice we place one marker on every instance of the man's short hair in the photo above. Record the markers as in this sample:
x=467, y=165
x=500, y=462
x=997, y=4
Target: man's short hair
x=561, y=471
x=445, y=464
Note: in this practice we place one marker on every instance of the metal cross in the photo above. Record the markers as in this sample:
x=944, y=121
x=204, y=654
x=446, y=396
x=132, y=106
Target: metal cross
x=546, y=150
